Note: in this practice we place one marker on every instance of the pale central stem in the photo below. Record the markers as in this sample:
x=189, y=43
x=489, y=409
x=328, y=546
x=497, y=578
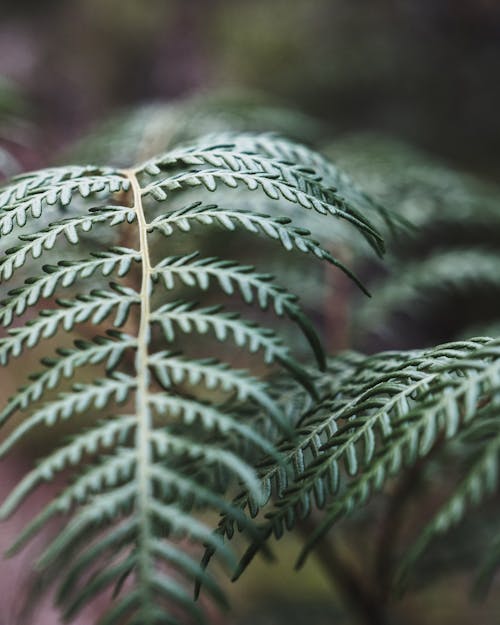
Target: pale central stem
x=143, y=411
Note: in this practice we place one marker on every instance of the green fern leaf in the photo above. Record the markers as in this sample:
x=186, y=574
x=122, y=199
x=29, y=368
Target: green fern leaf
x=422, y=283
x=382, y=414
x=139, y=474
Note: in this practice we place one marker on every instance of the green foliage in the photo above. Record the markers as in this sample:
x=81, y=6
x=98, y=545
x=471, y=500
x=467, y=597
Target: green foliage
x=13, y=114
x=439, y=281
x=140, y=473
x=143, y=338
x=153, y=128
x=378, y=416
x=419, y=286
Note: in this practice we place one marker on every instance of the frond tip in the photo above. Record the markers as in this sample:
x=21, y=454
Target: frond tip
x=161, y=449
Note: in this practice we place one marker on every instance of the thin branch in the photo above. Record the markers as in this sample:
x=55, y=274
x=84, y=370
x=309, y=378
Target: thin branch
x=393, y=521
x=356, y=593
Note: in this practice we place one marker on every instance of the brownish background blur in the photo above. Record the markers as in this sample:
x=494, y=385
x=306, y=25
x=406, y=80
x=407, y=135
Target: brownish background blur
x=425, y=70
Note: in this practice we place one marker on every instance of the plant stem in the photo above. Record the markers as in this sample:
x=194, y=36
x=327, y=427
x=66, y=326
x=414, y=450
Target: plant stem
x=357, y=595
x=144, y=417
x=392, y=523
x=390, y=529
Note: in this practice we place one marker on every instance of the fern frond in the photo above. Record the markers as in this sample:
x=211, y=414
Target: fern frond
x=80, y=399
x=188, y=318
x=64, y=274
x=481, y=480
x=276, y=228
x=231, y=276
x=90, y=442
x=109, y=350
x=96, y=306
x=212, y=419
x=171, y=369
x=444, y=273
x=386, y=413
x=36, y=244
x=274, y=146
x=140, y=475
x=33, y=193
x=230, y=166
x=210, y=455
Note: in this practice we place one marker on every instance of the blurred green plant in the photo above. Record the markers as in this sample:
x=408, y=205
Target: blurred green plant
x=142, y=132
x=277, y=446
x=438, y=281
x=13, y=112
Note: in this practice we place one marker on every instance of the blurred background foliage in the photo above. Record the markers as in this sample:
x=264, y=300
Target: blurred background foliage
x=404, y=94
x=422, y=70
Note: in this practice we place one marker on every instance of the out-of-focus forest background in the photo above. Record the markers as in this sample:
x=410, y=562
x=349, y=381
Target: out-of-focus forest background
x=422, y=71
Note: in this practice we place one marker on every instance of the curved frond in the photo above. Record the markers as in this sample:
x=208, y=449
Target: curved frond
x=383, y=414
x=109, y=350
x=64, y=274
x=164, y=419
x=416, y=285
x=96, y=306
x=231, y=165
